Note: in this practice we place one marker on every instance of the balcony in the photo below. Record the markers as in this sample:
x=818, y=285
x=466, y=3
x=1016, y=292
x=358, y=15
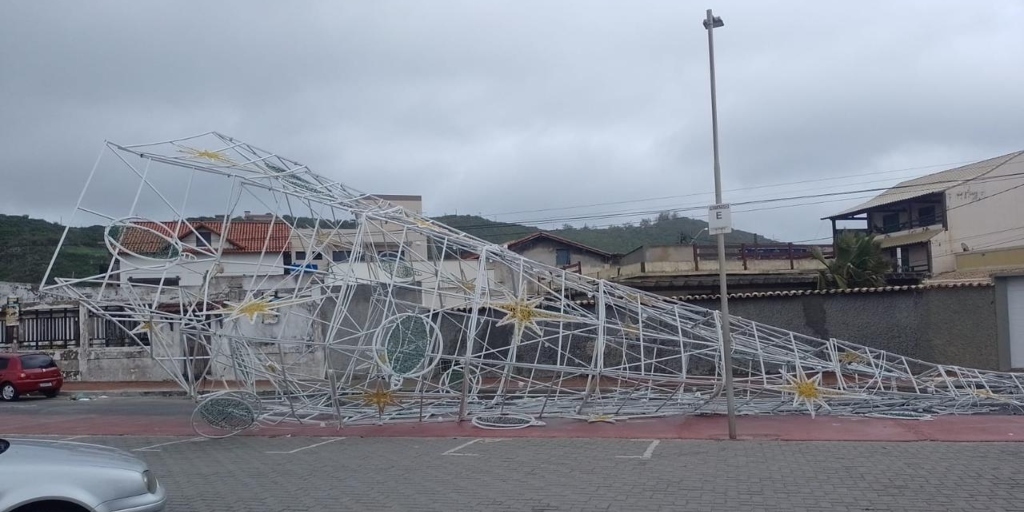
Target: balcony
x=890, y=225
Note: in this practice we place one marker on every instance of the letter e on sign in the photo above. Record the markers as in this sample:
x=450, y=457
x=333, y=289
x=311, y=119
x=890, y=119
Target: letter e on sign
x=719, y=219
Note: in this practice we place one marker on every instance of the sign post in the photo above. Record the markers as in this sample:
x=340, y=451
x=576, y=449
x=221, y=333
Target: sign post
x=719, y=219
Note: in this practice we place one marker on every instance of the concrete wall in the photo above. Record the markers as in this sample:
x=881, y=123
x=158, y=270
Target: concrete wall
x=986, y=213
x=193, y=273
x=954, y=326
x=544, y=251
x=1008, y=257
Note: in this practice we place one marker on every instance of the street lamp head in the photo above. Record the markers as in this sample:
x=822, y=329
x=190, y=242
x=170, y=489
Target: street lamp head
x=717, y=23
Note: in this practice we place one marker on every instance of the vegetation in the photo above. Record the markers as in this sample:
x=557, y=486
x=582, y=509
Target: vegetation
x=665, y=229
x=858, y=263
x=26, y=245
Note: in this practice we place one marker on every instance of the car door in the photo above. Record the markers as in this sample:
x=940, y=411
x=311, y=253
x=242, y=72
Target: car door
x=5, y=365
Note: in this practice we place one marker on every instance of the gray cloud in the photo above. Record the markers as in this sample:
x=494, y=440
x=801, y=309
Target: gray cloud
x=510, y=106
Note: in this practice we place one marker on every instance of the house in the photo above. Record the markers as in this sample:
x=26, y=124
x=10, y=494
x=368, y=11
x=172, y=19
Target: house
x=962, y=218
x=560, y=252
x=341, y=249
x=686, y=269
x=245, y=248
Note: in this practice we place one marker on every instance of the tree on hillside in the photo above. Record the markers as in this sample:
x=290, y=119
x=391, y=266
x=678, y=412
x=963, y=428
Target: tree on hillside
x=858, y=262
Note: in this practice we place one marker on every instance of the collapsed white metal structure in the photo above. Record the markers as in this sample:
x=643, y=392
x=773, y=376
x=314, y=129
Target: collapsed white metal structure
x=416, y=321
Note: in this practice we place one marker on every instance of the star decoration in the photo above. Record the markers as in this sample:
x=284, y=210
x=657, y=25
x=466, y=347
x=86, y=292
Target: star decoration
x=986, y=394
x=381, y=398
x=851, y=357
x=808, y=391
x=144, y=328
x=252, y=307
x=524, y=314
x=206, y=154
x=424, y=224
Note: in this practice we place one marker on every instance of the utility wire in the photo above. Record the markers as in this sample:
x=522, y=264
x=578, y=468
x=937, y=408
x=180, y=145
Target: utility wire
x=649, y=199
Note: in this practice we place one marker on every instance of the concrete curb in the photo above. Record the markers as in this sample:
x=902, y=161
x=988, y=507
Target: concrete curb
x=95, y=394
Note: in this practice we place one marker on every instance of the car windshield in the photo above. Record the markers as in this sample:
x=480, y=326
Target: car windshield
x=37, y=361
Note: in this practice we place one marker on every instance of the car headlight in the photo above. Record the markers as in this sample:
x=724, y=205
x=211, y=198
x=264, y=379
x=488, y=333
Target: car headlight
x=150, y=481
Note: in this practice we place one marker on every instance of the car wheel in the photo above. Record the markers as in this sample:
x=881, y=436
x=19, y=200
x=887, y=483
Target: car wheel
x=52, y=393
x=8, y=393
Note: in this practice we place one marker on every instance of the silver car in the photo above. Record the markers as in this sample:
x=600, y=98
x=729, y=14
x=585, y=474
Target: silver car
x=56, y=476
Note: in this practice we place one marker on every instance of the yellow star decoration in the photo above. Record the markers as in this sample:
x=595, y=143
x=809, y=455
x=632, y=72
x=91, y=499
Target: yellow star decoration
x=808, y=391
x=986, y=394
x=381, y=398
x=851, y=357
x=424, y=224
x=206, y=154
x=252, y=307
x=144, y=327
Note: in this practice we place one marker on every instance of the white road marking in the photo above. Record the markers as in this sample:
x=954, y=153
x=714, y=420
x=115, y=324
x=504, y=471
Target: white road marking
x=463, y=445
x=331, y=440
x=647, y=453
x=72, y=437
x=150, y=448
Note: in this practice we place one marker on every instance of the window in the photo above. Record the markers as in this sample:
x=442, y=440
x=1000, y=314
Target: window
x=341, y=256
x=318, y=255
x=3, y=363
x=300, y=255
x=156, y=281
x=926, y=215
x=288, y=259
x=37, y=361
x=891, y=222
x=204, y=237
x=562, y=257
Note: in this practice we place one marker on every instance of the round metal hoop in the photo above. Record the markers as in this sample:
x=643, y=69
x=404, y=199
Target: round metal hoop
x=506, y=421
x=228, y=413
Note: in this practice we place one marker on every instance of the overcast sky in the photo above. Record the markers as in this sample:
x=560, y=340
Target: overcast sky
x=507, y=108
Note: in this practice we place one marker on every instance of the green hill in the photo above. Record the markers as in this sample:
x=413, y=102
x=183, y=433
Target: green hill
x=665, y=229
x=26, y=245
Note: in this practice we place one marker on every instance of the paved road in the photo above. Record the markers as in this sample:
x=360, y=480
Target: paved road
x=303, y=474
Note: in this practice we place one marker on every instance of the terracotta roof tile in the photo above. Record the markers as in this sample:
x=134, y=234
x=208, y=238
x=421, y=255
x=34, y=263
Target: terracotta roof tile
x=242, y=236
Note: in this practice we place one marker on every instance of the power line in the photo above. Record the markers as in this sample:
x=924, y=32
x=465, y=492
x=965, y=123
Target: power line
x=696, y=207
x=649, y=199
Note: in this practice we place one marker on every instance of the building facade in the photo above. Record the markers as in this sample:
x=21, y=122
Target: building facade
x=967, y=217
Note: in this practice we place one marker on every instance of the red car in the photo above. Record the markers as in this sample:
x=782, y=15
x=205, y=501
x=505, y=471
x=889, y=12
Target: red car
x=28, y=373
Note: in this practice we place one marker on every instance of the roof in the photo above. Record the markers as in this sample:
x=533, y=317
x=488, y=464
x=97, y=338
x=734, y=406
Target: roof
x=888, y=241
x=543, y=234
x=932, y=183
x=244, y=236
x=987, y=283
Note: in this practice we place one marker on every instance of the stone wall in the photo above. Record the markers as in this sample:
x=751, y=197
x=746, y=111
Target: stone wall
x=955, y=326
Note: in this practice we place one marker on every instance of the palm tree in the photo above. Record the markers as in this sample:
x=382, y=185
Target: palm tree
x=858, y=262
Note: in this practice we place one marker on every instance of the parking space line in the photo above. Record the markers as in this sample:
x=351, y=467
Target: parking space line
x=72, y=437
x=461, y=446
x=454, y=451
x=647, y=453
x=331, y=440
x=150, y=448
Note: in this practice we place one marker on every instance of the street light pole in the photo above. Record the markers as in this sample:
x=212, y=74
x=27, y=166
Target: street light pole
x=710, y=23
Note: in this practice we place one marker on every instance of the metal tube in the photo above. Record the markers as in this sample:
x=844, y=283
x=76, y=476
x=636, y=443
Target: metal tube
x=723, y=288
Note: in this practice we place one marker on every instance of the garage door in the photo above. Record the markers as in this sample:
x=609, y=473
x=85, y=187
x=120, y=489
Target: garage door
x=1015, y=319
